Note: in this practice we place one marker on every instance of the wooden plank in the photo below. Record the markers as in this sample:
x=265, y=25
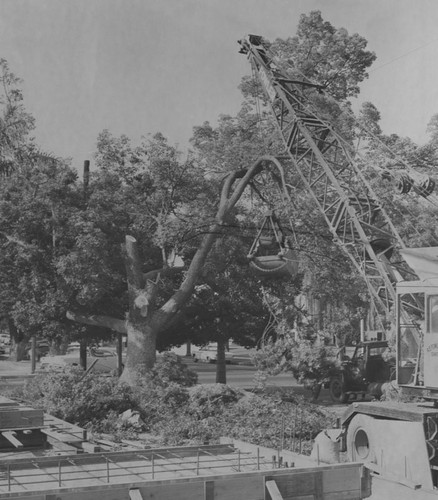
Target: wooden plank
x=20, y=418
x=135, y=494
x=64, y=437
x=10, y=436
x=187, y=491
x=348, y=478
x=319, y=486
x=273, y=490
x=67, y=448
x=294, y=485
x=53, y=423
x=7, y=402
x=240, y=487
x=209, y=490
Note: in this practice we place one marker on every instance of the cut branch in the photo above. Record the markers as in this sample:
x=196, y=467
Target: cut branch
x=17, y=241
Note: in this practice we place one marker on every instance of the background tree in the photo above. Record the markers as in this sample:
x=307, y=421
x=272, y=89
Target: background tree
x=227, y=304
x=39, y=204
x=38, y=199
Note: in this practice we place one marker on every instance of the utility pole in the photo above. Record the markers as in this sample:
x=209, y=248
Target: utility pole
x=83, y=342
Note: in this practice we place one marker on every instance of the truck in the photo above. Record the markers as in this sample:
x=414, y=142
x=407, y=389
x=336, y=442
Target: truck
x=398, y=439
x=363, y=373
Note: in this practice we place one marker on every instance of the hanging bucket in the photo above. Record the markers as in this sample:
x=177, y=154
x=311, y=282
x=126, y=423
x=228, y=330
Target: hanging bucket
x=276, y=266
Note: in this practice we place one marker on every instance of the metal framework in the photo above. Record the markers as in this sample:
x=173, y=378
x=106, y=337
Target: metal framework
x=324, y=162
x=72, y=471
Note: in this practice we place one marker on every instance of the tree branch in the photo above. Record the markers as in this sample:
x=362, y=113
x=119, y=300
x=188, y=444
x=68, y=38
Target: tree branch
x=17, y=241
x=114, y=324
x=133, y=266
x=164, y=272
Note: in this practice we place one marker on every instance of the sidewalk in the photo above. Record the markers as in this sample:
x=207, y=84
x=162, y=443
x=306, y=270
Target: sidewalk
x=14, y=369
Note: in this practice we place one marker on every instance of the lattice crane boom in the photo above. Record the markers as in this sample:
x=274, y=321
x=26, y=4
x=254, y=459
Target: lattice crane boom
x=326, y=165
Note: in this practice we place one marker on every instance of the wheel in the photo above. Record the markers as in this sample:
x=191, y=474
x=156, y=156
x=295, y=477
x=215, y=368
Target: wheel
x=337, y=390
x=360, y=439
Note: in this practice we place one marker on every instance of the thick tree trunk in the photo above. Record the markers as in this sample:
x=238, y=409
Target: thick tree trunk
x=18, y=352
x=18, y=342
x=141, y=351
x=83, y=354
x=189, y=349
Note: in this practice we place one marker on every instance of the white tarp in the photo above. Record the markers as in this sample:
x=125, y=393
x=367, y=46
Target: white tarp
x=424, y=261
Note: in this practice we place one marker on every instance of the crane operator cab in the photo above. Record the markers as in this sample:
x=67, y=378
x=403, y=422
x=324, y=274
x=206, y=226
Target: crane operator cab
x=417, y=325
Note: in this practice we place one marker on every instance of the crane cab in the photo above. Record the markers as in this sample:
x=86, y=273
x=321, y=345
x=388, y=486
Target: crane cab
x=417, y=325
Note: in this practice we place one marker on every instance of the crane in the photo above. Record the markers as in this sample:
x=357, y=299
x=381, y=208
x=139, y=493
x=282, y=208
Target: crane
x=393, y=437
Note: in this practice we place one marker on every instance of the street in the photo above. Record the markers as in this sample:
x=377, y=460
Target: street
x=239, y=375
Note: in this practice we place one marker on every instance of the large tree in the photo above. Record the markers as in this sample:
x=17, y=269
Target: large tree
x=38, y=199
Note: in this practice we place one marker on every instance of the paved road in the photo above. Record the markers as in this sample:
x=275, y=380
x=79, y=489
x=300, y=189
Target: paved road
x=241, y=375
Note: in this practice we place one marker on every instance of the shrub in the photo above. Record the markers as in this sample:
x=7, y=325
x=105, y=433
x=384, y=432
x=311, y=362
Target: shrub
x=82, y=400
x=211, y=400
x=263, y=419
x=156, y=402
x=169, y=368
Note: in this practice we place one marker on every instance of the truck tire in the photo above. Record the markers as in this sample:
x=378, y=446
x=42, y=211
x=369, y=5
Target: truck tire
x=360, y=439
x=337, y=390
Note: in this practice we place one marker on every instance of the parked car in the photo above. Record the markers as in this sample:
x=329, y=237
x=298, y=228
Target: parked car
x=208, y=354
x=5, y=339
x=242, y=355
x=99, y=360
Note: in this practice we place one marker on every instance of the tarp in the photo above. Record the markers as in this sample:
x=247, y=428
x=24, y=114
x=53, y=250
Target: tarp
x=424, y=261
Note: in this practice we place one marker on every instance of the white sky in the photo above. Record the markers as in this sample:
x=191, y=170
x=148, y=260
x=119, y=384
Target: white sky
x=141, y=66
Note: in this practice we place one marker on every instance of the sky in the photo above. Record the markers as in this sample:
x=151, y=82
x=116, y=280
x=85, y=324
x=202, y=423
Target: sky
x=138, y=67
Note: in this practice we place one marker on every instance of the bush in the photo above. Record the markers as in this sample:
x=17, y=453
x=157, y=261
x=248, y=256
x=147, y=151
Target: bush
x=264, y=419
x=169, y=368
x=79, y=399
x=206, y=401
x=309, y=360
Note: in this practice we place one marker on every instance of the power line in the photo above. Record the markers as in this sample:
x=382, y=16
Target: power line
x=403, y=55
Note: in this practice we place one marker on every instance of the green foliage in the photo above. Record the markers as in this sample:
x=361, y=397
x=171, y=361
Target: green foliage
x=38, y=209
x=97, y=401
x=219, y=410
x=81, y=399
x=170, y=369
x=172, y=413
x=327, y=55
x=261, y=419
x=308, y=359
x=208, y=401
